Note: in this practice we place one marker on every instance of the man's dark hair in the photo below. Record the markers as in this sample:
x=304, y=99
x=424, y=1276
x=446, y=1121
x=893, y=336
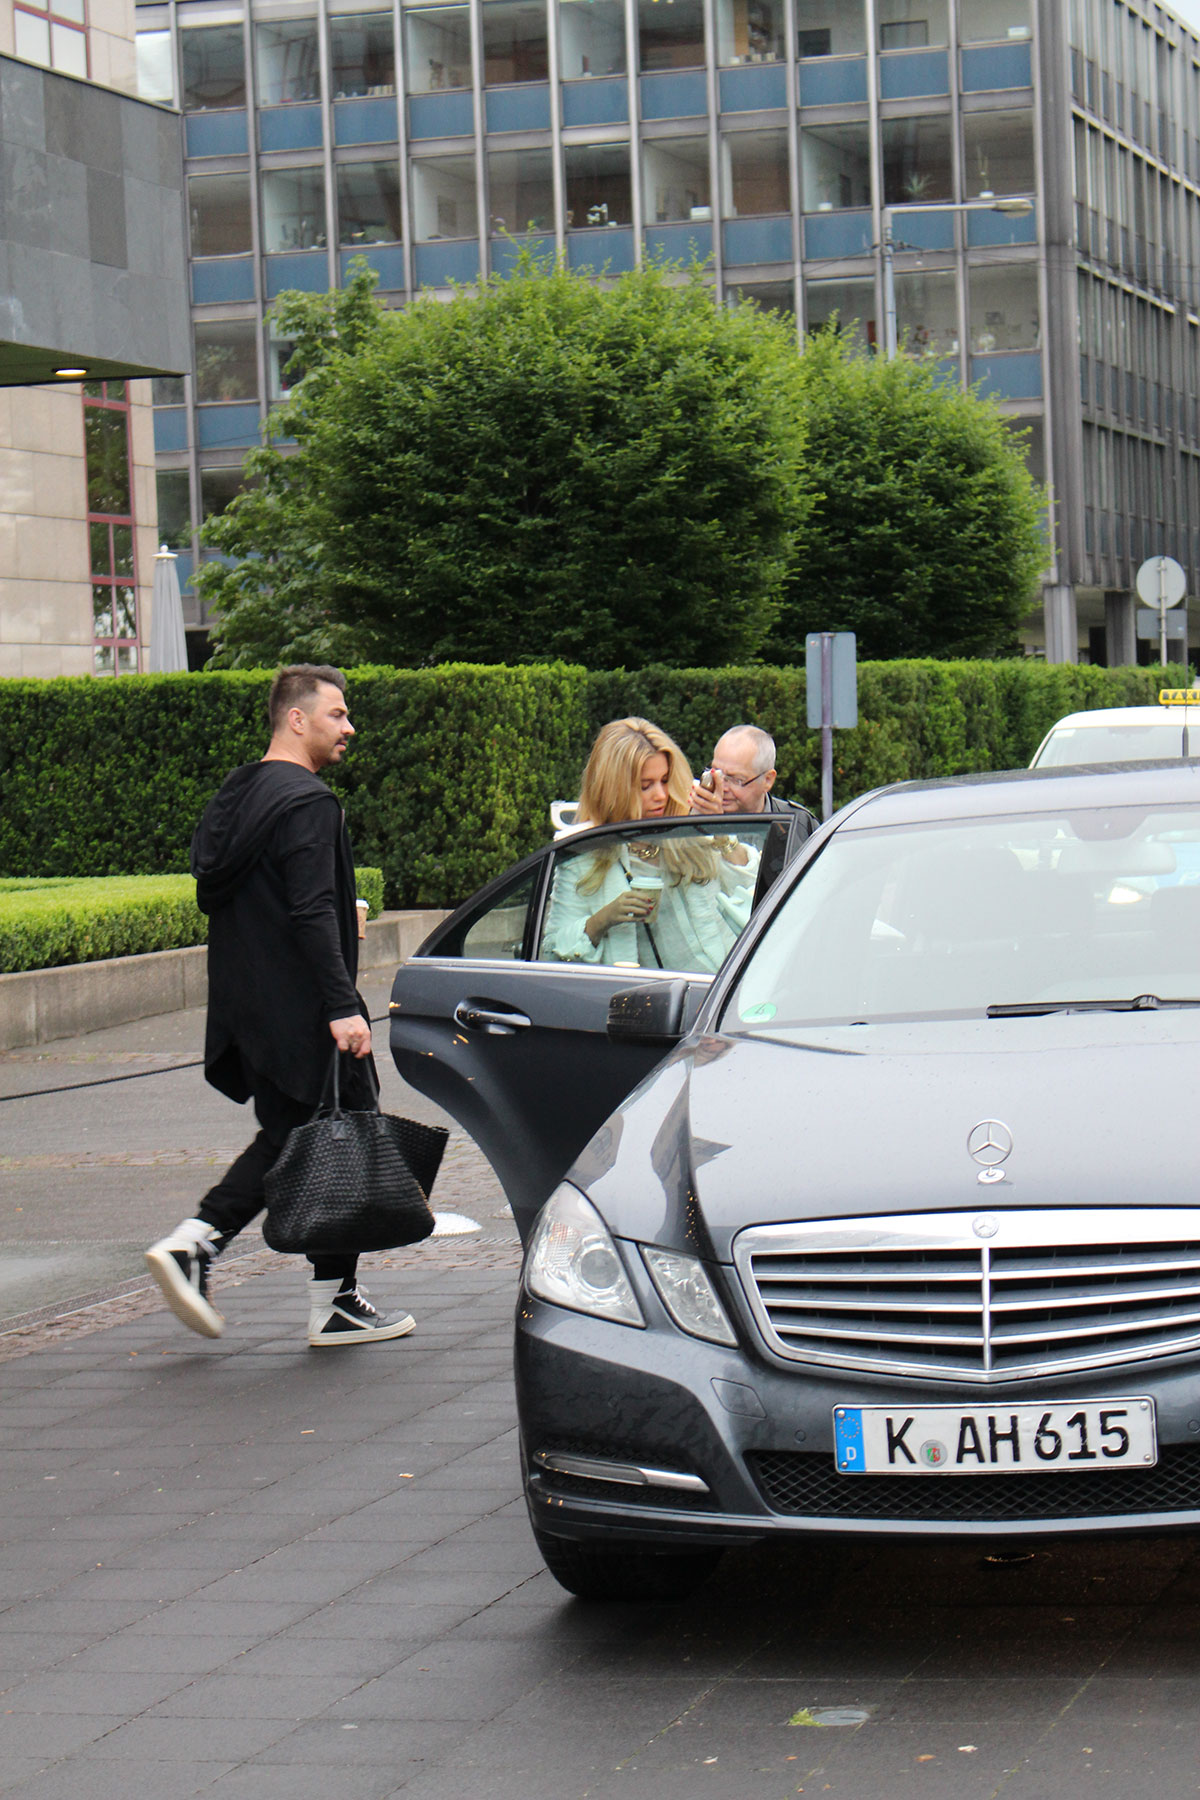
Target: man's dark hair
x=296, y=686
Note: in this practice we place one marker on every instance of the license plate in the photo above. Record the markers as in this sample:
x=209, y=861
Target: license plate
x=1030, y=1438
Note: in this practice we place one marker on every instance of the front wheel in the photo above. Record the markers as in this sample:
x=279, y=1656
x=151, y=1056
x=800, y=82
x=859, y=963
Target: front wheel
x=594, y=1571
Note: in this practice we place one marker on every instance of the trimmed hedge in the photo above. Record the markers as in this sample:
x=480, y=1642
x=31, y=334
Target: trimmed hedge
x=452, y=775
x=46, y=923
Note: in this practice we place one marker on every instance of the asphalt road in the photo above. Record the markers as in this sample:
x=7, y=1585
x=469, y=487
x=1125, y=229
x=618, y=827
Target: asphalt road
x=244, y=1569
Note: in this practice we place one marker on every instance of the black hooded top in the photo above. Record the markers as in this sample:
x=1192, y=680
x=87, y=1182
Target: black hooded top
x=275, y=873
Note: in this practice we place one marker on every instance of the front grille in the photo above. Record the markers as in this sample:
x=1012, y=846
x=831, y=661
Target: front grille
x=927, y=1294
x=802, y=1483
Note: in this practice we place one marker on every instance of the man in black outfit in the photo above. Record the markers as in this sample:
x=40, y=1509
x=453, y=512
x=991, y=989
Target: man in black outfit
x=275, y=873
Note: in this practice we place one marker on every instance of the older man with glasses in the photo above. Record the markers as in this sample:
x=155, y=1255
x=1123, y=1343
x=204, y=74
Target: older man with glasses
x=742, y=777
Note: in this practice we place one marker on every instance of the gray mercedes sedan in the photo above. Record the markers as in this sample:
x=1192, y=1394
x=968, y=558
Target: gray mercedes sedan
x=886, y=1224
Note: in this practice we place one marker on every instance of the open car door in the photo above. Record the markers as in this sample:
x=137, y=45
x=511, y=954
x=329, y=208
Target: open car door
x=501, y=1016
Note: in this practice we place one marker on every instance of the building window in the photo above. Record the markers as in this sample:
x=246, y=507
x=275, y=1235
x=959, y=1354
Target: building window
x=913, y=24
x=671, y=36
x=293, y=213
x=362, y=55
x=219, y=209
x=916, y=161
x=520, y=191
x=226, y=360
x=835, y=167
x=598, y=186
x=997, y=154
x=54, y=36
x=368, y=197
x=289, y=62
x=444, y=204
x=174, y=509
x=591, y=36
x=677, y=180
x=1003, y=307
x=155, y=68
x=993, y=21
x=755, y=167
x=749, y=31
x=775, y=297
x=218, y=487
x=516, y=46
x=437, y=41
x=213, y=63
x=831, y=28
x=110, y=528
x=927, y=313
x=847, y=307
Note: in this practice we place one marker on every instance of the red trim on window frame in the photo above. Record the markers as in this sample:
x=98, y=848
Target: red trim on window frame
x=113, y=640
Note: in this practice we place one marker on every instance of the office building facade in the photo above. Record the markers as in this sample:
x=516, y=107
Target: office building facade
x=1027, y=167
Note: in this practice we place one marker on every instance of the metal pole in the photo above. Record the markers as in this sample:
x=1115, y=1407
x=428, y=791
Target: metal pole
x=826, y=724
x=889, y=292
x=1162, y=611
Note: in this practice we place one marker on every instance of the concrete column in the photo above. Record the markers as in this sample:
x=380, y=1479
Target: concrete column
x=1119, y=632
x=1062, y=627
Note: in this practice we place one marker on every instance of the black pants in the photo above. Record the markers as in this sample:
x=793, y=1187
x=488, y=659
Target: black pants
x=238, y=1197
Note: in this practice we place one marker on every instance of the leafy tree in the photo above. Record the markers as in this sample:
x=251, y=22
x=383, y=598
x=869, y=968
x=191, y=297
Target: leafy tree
x=928, y=539
x=608, y=473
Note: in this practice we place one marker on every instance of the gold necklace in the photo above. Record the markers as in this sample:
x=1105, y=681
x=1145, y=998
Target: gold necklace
x=646, y=852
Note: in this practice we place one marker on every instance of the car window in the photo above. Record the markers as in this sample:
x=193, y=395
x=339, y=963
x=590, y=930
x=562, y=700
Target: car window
x=496, y=931
x=1073, y=744
x=693, y=889
x=923, y=921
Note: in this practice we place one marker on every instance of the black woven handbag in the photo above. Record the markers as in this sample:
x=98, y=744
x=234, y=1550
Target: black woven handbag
x=350, y=1182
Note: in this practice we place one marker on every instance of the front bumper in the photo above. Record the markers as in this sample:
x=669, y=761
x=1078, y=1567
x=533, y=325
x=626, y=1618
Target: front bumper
x=760, y=1439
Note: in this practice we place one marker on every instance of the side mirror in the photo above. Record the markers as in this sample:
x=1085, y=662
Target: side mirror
x=651, y=1015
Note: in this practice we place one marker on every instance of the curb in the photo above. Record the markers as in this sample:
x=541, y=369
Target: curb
x=43, y=1004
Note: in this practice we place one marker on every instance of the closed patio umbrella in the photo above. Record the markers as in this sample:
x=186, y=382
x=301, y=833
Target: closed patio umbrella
x=168, y=641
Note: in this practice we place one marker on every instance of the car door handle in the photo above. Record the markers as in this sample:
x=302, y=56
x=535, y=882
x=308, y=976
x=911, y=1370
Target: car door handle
x=483, y=1018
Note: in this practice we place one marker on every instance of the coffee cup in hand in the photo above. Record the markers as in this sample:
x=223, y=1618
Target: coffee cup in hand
x=362, y=907
x=648, y=887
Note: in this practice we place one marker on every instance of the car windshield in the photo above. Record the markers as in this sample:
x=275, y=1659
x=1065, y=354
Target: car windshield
x=1069, y=745
x=950, y=920
x=675, y=899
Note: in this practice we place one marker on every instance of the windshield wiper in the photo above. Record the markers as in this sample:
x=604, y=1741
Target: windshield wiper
x=1029, y=1009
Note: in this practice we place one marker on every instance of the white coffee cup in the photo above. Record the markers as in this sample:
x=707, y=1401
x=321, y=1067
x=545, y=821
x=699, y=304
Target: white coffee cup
x=362, y=907
x=650, y=887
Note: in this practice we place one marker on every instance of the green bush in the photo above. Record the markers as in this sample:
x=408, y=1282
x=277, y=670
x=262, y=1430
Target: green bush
x=47, y=922
x=453, y=771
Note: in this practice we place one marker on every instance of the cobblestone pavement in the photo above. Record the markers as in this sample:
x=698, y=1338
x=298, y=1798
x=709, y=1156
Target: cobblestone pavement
x=243, y=1569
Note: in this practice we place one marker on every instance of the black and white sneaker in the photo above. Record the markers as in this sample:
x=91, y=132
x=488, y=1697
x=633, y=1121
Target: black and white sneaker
x=340, y=1313
x=180, y=1264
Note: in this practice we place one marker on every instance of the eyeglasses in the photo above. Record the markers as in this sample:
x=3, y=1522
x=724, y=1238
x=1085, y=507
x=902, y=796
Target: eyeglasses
x=743, y=781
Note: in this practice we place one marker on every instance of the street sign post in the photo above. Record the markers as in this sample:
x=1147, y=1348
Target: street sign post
x=1162, y=583
x=831, y=682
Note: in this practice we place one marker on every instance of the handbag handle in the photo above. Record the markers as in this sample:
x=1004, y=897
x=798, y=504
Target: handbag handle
x=334, y=1077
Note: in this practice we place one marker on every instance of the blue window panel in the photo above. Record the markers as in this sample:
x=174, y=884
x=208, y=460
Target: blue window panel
x=386, y=259
x=832, y=80
x=449, y=259
x=923, y=230
x=758, y=240
x=596, y=102
x=307, y=270
x=289, y=128
x=691, y=242
x=170, y=428
x=996, y=66
x=505, y=251
x=678, y=95
x=185, y=562
x=216, y=134
x=524, y=108
x=610, y=248
x=222, y=278
x=226, y=427
x=986, y=227
x=911, y=74
x=365, y=122
x=1014, y=377
x=838, y=234
x=441, y=115
x=753, y=89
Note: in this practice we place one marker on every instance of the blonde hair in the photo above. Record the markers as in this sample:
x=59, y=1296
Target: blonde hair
x=610, y=792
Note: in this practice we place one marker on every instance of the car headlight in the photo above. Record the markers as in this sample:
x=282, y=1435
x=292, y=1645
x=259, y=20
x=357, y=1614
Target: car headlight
x=572, y=1261
x=688, y=1294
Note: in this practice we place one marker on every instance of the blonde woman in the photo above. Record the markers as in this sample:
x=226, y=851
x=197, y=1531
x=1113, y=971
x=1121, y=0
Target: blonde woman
x=657, y=902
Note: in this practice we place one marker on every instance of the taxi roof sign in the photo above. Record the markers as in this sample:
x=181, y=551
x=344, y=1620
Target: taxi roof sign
x=1179, y=696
